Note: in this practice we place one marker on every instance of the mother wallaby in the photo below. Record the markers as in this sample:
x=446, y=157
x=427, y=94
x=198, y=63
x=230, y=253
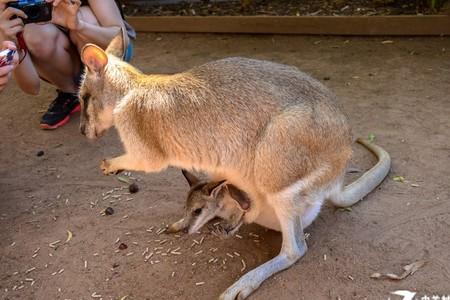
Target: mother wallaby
x=267, y=128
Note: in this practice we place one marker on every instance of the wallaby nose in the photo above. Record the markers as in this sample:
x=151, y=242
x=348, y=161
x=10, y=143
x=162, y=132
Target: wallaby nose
x=83, y=129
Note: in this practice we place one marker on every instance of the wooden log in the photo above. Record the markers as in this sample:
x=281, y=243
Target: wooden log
x=326, y=25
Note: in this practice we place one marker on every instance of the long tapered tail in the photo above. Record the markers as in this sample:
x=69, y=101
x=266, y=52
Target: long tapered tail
x=358, y=189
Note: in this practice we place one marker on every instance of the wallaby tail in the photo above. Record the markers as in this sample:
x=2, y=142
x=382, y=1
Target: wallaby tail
x=358, y=189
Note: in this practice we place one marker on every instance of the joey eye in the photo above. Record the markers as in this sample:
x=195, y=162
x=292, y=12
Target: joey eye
x=197, y=211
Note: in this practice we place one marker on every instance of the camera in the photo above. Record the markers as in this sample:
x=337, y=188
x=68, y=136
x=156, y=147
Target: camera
x=36, y=10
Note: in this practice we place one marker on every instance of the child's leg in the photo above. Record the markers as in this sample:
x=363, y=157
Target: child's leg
x=86, y=15
x=56, y=59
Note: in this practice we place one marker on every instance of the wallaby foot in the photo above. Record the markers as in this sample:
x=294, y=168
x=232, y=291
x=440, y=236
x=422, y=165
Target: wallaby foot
x=293, y=248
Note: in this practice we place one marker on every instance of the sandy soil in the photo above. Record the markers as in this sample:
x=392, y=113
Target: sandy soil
x=398, y=91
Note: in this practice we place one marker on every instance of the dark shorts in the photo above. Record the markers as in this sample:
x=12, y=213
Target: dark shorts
x=128, y=55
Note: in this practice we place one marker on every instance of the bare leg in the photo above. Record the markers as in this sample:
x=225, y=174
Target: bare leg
x=54, y=56
x=292, y=249
x=85, y=14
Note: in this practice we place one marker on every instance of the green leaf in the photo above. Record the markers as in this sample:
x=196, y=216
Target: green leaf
x=345, y=209
x=399, y=178
x=371, y=138
x=123, y=179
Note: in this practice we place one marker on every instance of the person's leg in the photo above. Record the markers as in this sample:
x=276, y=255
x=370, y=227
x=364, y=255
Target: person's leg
x=85, y=14
x=54, y=56
x=88, y=16
x=57, y=61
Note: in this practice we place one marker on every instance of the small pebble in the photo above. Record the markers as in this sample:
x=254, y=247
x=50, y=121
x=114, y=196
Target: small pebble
x=40, y=153
x=326, y=78
x=133, y=188
x=123, y=246
x=109, y=211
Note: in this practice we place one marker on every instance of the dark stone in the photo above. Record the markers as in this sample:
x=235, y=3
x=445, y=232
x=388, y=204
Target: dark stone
x=109, y=211
x=133, y=188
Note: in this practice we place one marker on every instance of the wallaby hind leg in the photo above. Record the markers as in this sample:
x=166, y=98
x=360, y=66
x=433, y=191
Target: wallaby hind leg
x=292, y=249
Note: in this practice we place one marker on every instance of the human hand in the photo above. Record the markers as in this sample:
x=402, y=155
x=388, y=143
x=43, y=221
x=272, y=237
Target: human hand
x=65, y=13
x=5, y=71
x=9, y=26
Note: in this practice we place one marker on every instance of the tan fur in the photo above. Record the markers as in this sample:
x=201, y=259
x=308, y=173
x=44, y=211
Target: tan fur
x=267, y=128
x=230, y=209
x=231, y=118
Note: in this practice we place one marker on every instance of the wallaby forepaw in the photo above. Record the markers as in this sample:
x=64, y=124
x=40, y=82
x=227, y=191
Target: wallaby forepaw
x=108, y=168
x=104, y=166
x=174, y=228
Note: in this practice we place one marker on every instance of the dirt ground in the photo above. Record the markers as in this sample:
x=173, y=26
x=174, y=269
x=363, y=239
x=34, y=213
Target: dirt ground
x=285, y=7
x=397, y=91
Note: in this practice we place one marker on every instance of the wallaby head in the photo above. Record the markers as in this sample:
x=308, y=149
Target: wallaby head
x=98, y=93
x=207, y=200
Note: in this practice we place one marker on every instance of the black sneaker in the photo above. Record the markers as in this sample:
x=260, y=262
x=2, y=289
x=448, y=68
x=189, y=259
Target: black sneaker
x=59, y=111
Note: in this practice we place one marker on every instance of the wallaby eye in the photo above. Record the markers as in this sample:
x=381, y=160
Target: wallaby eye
x=197, y=211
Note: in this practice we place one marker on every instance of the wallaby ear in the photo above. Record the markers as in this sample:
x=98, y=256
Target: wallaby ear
x=214, y=188
x=94, y=58
x=117, y=45
x=191, y=178
x=239, y=196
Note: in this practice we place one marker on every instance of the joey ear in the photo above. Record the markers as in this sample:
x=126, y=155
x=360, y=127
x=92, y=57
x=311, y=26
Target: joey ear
x=190, y=177
x=214, y=188
x=117, y=45
x=239, y=196
x=94, y=58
